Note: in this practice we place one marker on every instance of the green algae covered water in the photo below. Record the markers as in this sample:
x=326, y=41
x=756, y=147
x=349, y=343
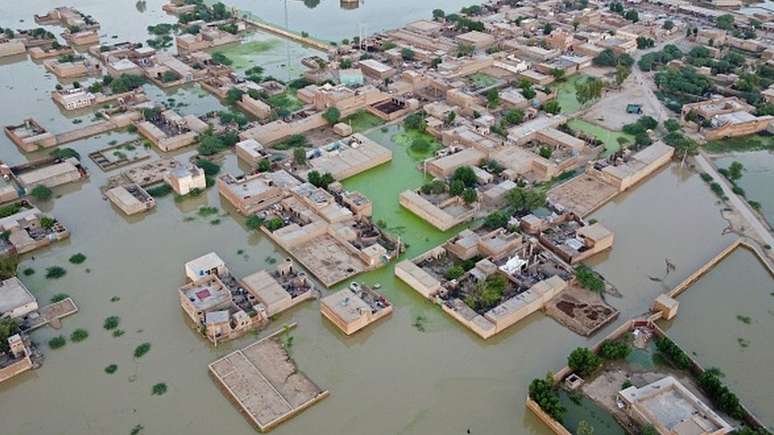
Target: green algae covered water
x=416, y=372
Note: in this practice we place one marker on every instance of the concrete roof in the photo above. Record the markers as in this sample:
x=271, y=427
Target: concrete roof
x=265, y=287
x=346, y=305
x=13, y=294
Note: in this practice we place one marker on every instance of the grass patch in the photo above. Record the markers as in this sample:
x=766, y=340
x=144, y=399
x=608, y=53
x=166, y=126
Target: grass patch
x=215, y=222
x=57, y=342
x=111, y=322
x=55, y=272
x=112, y=368
x=141, y=350
x=159, y=389
x=79, y=335
x=77, y=258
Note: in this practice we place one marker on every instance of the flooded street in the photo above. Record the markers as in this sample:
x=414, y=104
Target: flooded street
x=391, y=378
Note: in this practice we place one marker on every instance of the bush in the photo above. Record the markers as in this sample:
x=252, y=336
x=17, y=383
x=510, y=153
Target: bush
x=274, y=224
x=209, y=167
x=254, y=222
x=543, y=392
x=79, y=335
x=55, y=272
x=64, y=153
x=583, y=361
x=673, y=353
x=495, y=220
x=588, y=279
x=454, y=272
x=111, y=322
x=41, y=193
x=614, y=350
x=160, y=190
x=332, y=115
x=112, y=368
x=77, y=258
x=159, y=389
x=141, y=350
x=59, y=297
x=57, y=342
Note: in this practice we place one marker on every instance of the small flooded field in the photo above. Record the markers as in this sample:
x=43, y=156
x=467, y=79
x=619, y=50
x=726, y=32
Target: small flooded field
x=725, y=320
x=608, y=137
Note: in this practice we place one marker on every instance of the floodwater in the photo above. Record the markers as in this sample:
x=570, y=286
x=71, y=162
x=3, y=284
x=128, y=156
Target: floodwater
x=391, y=378
x=757, y=178
x=334, y=20
x=727, y=324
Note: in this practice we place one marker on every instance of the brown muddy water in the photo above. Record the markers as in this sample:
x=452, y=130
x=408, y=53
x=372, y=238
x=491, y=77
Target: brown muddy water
x=388, y=379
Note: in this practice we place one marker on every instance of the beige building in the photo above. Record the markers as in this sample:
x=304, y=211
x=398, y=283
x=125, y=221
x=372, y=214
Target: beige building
x=672, y=409
x=354, y=308
x=11, y=47
x=251, y=152
x=171, y=131
x=349, y=156
x=727, y=117
x=131, y=199
x=479, y=40
x=184, y=180
x=250, y=193
x=16, y=301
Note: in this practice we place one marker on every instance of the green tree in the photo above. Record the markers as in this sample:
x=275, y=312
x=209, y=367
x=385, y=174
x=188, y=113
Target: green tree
x=407, y=54
x=725, y=22
x=492, y=98
x=466, y=175
x=332, y=115
x=552, y=107
x=8, y=327
x=41, y=193
x=588, y=279
x=469, y=196
x=668, y=25
x=438, y=14
x=543, y=392
x=589, y=89
x=583, y=361
x=299, y=156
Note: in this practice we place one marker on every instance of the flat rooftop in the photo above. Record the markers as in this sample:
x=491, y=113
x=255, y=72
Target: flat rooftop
x=264, y=381
x=13, y=295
